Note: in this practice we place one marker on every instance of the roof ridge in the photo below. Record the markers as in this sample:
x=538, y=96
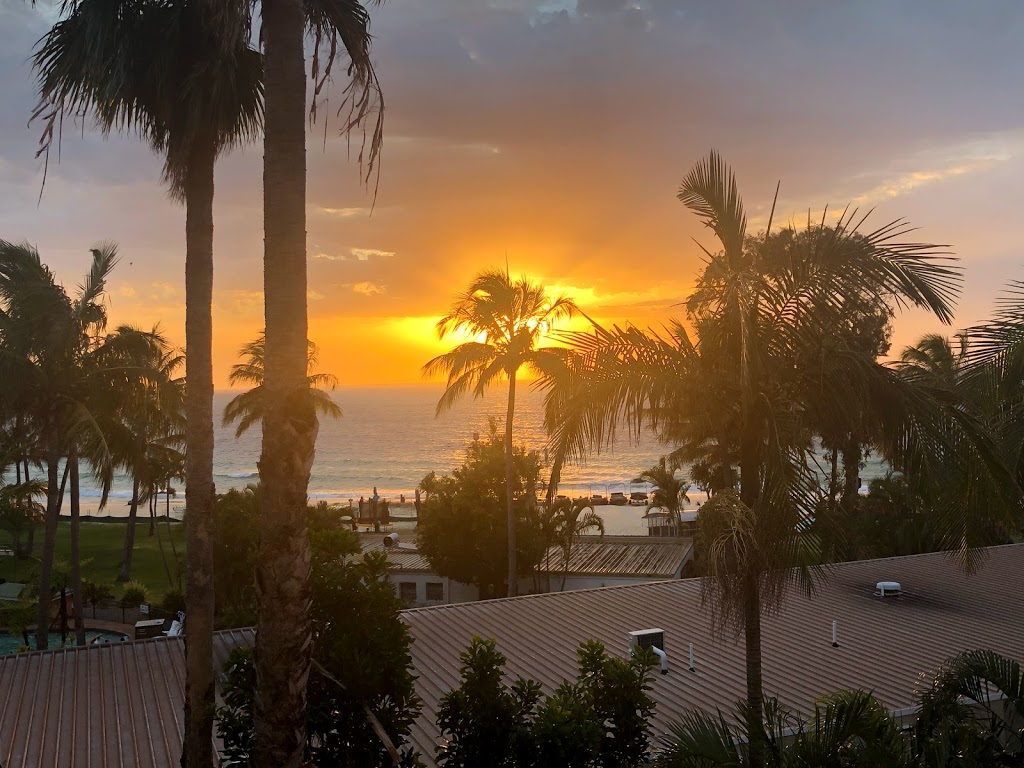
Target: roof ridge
x=668, y=582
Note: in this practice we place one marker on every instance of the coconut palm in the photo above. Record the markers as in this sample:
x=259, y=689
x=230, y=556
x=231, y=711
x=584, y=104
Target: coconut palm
x=738, y=391
x=147, y=419
x=283, y=637
x=158, y=69
x=247, y=408
x=564, y=521
x=669, y=489
x=49, y=344
x=505, y=320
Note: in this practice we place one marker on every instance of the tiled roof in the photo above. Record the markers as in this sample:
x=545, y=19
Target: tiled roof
x=646, y=556
x=885, y=645
x=102, y=706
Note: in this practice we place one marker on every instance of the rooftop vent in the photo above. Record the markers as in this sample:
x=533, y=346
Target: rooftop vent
x=391, y=540
x=888, y=589
x=653, y=639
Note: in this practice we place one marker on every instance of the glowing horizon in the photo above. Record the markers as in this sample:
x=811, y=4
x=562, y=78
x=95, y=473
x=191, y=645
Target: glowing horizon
x=554, y=136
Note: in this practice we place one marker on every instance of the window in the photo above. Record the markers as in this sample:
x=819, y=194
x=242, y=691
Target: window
x=407, y=591
x=435, y=592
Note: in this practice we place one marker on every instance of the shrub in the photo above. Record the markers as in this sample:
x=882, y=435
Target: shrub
x=173, y=601
x=133, y=594
x=95, y=594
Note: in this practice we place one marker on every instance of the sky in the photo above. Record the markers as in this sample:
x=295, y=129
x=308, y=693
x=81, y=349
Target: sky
x=554, y=134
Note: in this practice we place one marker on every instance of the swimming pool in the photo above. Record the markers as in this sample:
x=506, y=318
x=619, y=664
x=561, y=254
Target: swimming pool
x=11, y=643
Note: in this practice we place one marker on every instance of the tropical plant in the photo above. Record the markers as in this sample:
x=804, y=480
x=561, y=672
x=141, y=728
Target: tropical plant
x=20, y=512
x=161, y=70
x=849, y=729
x=564, y=521
x=472, y=502
x=505, y=320
x=972, y=715
x=739, y=393
x=236, y=526
x=599, y=721
x=247, y=408
x=133, y=595
x=57, y=364
x=351, y=702
x=669, y=489
x=147, y=419
x=290, y=425
x=96, y=594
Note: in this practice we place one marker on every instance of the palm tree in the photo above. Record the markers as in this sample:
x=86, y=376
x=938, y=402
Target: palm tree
x=973, y=713
x=739, y=393
x=564, y=521
x=283, y=637
x=669, y=489
x=849, y=728
x=49, y=344
x=505, y=320
x=247, y=408
x=147, y=418
x=160, y=70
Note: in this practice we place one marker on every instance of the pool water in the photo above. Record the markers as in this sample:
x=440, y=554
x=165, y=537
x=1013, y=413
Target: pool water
x=11, y=643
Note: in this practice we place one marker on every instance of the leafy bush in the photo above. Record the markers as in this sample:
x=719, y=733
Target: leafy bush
x=600, y=721
x=173, y=601
x=134, y=594
x=472, y=501
x=362, y=645
x=96, y=594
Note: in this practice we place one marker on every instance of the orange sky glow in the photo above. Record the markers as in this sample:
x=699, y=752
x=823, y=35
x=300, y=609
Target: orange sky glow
x=555, y=134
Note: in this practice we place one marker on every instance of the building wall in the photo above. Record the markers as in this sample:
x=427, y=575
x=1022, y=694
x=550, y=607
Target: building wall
x=451, y=591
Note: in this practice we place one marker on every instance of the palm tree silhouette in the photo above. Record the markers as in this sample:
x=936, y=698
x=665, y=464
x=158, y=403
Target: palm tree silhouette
x=505, y=320
x=248, y=408
x=160, y=70
x=736, y=392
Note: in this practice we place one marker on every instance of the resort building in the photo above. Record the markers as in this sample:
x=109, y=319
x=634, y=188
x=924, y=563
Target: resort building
x=594, y=561
x=121, y=705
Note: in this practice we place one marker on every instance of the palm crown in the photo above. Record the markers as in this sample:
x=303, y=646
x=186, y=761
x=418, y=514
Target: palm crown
x=505, y=319
x=249, y=407
x=745, y=390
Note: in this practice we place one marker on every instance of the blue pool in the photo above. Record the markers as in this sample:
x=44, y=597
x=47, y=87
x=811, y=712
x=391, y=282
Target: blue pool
x=11, y=643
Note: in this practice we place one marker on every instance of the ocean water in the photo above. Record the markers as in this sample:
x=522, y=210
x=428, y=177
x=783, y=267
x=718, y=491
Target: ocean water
x=390, y=438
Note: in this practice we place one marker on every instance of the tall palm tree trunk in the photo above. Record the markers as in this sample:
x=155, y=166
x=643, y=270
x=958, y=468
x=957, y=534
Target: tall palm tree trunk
x=125, y=574
x=159, y=540
x=750, y=479
x=170, y=536
x=851, y=471
x=50, y=533
x=76, y=554
x=30, y=542
x=283, y=637
x=513, y=569
x=755, y=681
x=197, y=748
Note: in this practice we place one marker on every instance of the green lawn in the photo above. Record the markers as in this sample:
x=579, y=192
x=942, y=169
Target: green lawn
x=102, y=544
